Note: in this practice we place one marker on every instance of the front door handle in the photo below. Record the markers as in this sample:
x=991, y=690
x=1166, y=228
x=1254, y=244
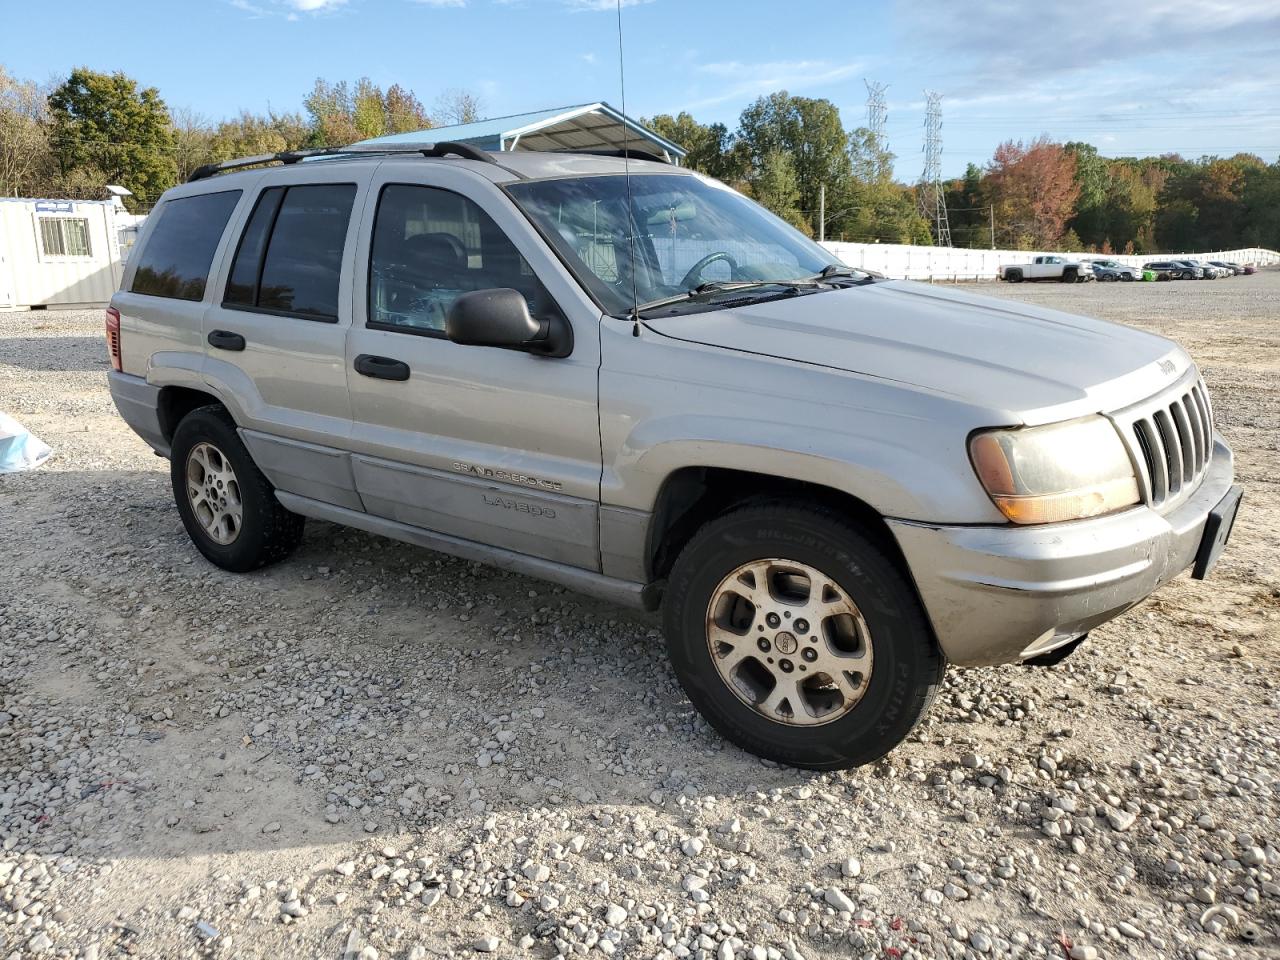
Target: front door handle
x=226, y=340
x=384, y=368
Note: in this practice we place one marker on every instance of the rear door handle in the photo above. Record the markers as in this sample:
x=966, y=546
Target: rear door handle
x=384, y=368
x=226, y=340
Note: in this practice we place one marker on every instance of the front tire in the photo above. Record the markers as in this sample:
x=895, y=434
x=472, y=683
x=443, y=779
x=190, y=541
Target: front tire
x=228, y=507
x=798, y=638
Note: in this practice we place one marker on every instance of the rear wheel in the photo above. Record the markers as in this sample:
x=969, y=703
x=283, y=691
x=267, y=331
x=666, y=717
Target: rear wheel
x=798, y=638
x=1014, y=276
x=228, y=507
x=1069, y=276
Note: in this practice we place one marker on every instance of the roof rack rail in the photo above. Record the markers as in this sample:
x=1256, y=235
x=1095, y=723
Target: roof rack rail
x=630, y=152
x=442, y=149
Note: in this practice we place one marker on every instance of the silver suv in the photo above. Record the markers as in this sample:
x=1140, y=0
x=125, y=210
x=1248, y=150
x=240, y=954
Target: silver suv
x=629, y=379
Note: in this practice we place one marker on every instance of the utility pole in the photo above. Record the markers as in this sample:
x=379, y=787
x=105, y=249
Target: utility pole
x=822, y=212
x=933, y=205
x=991, y=209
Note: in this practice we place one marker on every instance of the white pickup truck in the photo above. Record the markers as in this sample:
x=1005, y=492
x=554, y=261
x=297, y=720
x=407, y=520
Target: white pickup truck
x=1047, y=268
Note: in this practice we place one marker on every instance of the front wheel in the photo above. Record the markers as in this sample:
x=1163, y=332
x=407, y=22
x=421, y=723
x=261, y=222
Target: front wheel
x=227, y=506
x=797, y=637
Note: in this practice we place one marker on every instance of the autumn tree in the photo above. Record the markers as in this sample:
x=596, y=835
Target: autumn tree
x=24, y=141
x=455, y=106
x=1034, y=189
x=343, y=113
x=251, y=134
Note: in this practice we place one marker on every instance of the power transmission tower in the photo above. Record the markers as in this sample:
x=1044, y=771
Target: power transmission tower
x=876, y=113
x=876, y=110
x=933, y=206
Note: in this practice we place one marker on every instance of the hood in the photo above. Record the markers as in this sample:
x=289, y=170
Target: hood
x=1003, y=355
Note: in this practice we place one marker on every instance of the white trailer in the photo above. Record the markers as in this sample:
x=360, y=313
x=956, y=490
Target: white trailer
x=62, y=253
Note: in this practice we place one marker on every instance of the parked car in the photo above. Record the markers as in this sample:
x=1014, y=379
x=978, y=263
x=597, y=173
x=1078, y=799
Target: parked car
x=633, y=381
x=1233, y=268
x=1211, y=271
x=1250, y=269
x=1168, y=270
x=1114, y=270
x=1201, y=271
x=1046, y=268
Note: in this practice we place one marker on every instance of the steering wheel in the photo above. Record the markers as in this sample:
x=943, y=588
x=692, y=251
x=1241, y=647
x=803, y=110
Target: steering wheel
x=695, y=272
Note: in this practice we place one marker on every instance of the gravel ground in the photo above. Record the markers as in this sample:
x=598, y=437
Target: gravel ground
x=372, y=751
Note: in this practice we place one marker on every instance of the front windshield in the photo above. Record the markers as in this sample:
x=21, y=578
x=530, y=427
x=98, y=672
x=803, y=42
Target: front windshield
x=688, y=231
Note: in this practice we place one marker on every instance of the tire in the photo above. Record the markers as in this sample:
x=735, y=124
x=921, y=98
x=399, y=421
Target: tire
x=1014, y=276
x=205, y=447
x=1069, y=276
x=1127, y=277
x=900, y=667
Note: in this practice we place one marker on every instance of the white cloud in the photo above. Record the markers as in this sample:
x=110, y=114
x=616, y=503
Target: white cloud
x=288, y=9
x=600, y=6
x=442, y=3
x=752, y=79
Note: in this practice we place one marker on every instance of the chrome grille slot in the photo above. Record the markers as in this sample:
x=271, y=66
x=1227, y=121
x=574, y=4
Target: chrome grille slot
x=1171, y=440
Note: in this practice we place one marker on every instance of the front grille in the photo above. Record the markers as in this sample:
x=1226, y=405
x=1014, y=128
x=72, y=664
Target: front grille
x=1173, y=439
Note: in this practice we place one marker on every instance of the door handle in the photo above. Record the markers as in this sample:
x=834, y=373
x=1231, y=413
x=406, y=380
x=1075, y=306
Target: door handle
x=383, y=368
x=226, y=340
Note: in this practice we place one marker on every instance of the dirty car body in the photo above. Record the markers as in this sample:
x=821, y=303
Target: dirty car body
x=689, y=363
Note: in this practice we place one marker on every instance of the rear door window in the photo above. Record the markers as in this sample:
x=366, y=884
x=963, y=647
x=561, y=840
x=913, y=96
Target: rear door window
x=290, y=256
x=179, y=252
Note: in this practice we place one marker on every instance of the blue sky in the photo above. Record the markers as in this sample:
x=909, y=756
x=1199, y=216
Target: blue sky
x=1188, y=77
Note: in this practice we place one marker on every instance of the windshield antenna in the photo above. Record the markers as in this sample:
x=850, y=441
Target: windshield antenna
x=626, y=173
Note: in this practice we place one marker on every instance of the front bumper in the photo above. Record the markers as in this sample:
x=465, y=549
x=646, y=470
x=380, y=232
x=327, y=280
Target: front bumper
x=1002, y=594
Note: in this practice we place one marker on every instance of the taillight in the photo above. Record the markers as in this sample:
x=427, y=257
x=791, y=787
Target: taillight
x=113, y=337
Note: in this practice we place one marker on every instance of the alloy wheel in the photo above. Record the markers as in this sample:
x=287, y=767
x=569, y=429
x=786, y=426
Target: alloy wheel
x=789, y=642
x=214, y=493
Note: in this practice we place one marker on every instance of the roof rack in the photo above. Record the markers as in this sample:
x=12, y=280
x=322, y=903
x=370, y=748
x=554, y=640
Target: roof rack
x=629, y=152
x=442, y=149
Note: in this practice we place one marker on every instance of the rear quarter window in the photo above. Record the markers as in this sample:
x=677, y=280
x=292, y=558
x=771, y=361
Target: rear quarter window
x=178, y=255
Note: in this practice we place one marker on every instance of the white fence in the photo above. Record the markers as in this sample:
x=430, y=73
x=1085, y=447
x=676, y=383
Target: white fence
x=906, y=262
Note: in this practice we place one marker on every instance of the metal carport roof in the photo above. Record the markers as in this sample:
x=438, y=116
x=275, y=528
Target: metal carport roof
x=586, y=126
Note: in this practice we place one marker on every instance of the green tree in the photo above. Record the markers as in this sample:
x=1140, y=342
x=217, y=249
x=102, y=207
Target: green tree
x=1092, y=210
x=775, y=186
x=809, y=132
x=711, y=148
x=105, y=123
x=867, y=205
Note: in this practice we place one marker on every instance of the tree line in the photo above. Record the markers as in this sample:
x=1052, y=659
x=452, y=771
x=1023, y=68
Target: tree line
x=1040, y=195
x=792, y=154
x=69, y=139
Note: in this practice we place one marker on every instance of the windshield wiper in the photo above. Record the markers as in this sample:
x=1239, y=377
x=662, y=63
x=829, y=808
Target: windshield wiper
x=838, y=271
x=704, y=291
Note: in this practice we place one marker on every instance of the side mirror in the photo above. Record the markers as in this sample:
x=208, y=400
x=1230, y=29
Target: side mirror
x=501, y=318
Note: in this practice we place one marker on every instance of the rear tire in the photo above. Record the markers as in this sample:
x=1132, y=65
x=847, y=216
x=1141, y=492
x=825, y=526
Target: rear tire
x=1069, y=276
x=814, y=561
x=1014, y=276
x=228, y=507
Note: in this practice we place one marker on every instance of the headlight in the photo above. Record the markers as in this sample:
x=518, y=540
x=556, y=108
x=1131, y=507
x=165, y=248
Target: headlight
x=1063, y=471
